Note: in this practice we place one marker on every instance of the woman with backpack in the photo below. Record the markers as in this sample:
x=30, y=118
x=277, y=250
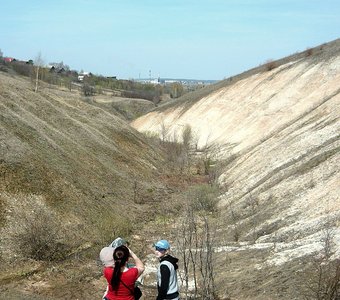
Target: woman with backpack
x=121, y=279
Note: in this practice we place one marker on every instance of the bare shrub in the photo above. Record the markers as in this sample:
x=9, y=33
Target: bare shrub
x=309, y=52
x=204, y=198
x=322, y=278
x=195, y=241
x=206, y=264
x=38, y=65
x=164, y=134
x=195, y=246
x=176, y=155
x=22, y=68
x=88, y=90
x=270, y=65
x=38, y=235
x=209, y=162
x=187, y=245
x=234, y=218
x=174, y=152
x=327, y=240
x=187, y=138
x=253, y=203
x=33, y=230
x=151, y=95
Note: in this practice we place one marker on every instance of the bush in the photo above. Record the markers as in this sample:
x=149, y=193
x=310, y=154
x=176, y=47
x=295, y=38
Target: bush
x=88, y=90
x=322, y=280
x=22, y=68
x=109, y=227
x=309, y=52
x=270, y=65
x=203, y=197
x=195, y=240
x=38, y=235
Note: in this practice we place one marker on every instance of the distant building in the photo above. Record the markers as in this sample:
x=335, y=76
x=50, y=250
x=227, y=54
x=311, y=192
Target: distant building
x=170, y=81
x=8, y=59
x=82, y=75
x=154, y=81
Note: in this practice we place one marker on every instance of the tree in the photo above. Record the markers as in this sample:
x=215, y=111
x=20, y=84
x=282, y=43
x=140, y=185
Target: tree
x=1, y=54
x=187, y=137
x=321, y=281
x=195, y=242
x=176, y=90
x=165, y=129
x=38, y=63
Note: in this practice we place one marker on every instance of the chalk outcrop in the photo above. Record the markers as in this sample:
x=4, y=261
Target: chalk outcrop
x=280, y=129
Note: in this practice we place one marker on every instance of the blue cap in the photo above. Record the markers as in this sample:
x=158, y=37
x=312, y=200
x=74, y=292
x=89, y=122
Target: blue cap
x=163, y=244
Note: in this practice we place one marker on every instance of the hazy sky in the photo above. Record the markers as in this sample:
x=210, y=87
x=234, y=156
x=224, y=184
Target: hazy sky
x=198, y=39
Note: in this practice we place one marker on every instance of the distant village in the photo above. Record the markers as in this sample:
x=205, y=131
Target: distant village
x=63, y=69
x=167, y=81
x=59, y=68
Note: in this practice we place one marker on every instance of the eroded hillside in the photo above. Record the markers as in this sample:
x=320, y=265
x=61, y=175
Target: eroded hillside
x=75, y=175
x=278, y=129
x=69, y=173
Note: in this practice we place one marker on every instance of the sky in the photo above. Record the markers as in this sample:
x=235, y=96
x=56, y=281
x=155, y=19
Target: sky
x=189, y=39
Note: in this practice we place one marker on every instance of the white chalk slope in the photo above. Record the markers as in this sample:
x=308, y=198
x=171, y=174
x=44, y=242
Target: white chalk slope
x=282, y=127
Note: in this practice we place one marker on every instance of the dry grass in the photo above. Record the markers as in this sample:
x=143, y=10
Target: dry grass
x=77, y=161
x=67, y=171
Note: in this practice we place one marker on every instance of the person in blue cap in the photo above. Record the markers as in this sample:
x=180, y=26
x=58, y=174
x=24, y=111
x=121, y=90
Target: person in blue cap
x=167, y=272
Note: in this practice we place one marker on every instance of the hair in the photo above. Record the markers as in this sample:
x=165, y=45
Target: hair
x=120, y=256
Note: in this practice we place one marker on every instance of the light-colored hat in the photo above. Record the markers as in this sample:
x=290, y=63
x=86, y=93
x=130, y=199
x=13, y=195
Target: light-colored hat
x=118, y=242
x=106, y=256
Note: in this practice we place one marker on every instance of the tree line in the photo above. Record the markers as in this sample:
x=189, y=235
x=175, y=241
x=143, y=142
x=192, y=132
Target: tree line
x=60, y=74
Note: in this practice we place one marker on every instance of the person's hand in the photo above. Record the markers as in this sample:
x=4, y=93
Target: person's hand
x=131, y=253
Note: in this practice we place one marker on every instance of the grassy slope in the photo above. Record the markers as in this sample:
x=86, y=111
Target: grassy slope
x=83, y=162
x=80, y=159
x=93, y=172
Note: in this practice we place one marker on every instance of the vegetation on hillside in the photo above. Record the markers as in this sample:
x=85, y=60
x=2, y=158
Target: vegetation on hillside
x=279, y=189
x=60, y=74
x=74, y=177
